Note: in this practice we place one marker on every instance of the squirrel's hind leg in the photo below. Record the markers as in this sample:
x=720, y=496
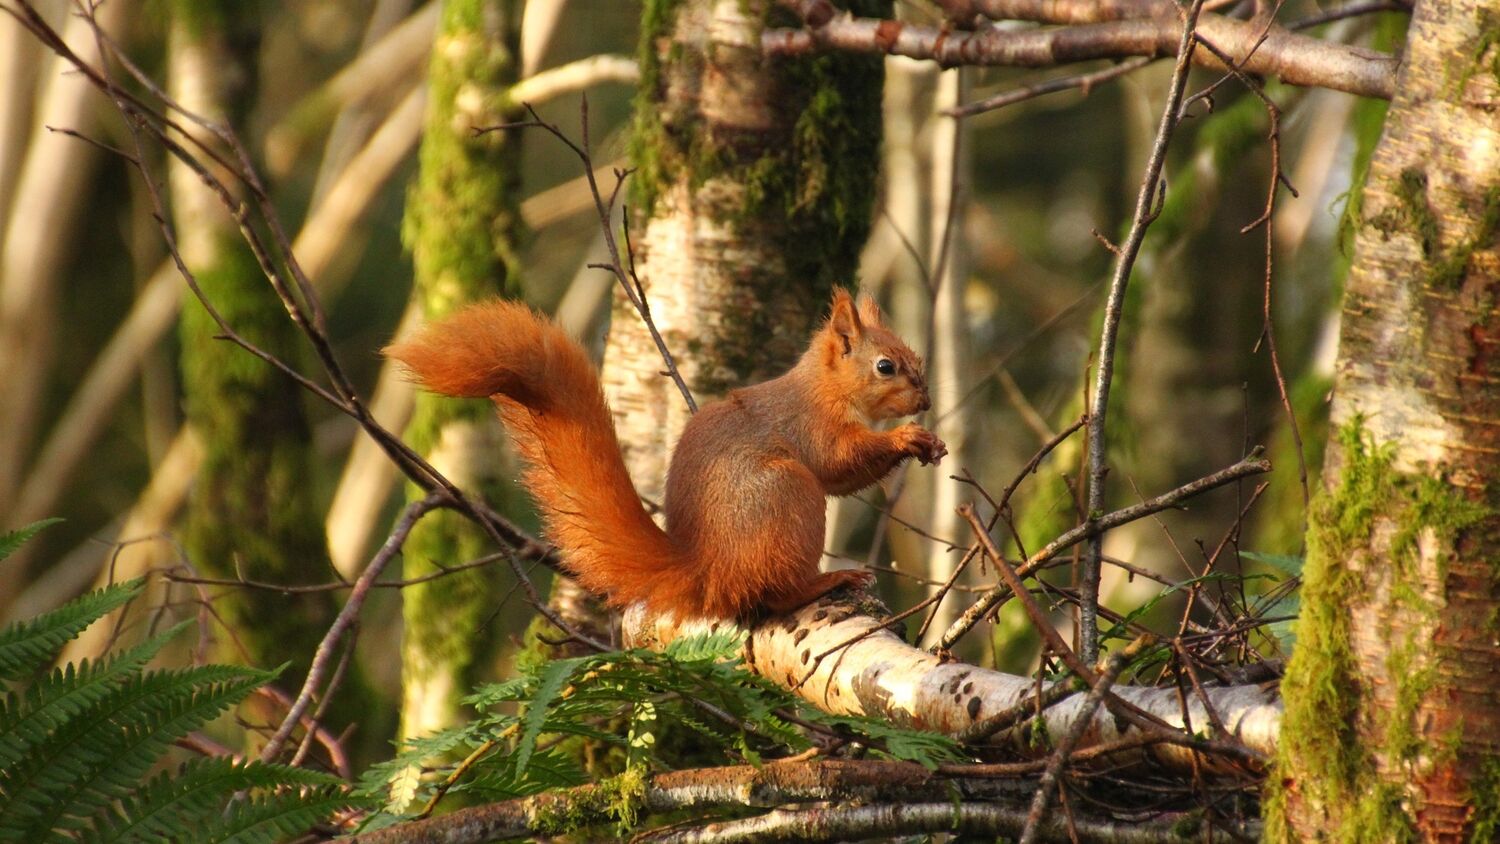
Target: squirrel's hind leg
x=816, y=588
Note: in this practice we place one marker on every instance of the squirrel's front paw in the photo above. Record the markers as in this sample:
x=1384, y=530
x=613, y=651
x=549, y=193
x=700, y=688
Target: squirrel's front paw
x=922, y=444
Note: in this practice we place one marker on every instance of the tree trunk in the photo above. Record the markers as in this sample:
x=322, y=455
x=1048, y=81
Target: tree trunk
x=462, y=226
x=45, y=199
x=754, y=190
x=1392, y=728
x=252, y=513
x=947, y=342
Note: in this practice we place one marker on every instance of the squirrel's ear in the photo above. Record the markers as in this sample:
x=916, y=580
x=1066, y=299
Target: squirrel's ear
x=844, y=318
x=869, y=310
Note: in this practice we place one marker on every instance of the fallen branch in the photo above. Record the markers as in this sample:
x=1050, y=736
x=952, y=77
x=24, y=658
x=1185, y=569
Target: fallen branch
x=873, y=672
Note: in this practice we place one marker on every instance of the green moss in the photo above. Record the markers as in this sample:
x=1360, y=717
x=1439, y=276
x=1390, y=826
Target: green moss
x=1318, y=753
x=1484, y=796
x=252, y=513
x=1411, y=190
x=619, y=798
x=1448, y=271
x=814, y=187
x=1320, y=756
x=464, y=229
x=650, y=146
x=1487, y=25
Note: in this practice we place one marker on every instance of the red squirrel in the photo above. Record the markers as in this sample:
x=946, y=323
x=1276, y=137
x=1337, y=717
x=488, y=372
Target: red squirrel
x=745, y=491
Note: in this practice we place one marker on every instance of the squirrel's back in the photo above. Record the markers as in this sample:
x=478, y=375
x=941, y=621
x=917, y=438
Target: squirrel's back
x=549, y=397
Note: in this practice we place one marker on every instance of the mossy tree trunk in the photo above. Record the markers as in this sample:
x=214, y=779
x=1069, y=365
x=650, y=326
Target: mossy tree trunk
x=1392, y=728
x=462, y=226
x=252, y=513
x=753, y=197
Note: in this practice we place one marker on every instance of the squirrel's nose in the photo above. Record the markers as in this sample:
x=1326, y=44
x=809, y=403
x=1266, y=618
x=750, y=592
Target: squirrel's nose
x=924, y=403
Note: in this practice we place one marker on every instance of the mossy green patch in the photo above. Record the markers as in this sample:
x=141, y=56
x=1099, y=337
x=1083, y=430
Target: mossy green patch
x=1487, y=27
x=813, y=187
x=619, y=799
x=463, y=227
x=1411, y=190
x=1448, y=270
x=1323, y=758
x=1484, y=796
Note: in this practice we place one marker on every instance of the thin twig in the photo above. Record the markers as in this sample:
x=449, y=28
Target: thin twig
x=1101, y=687
x=1254, y=464
x=630, y=283
x=327, y=649
x=1146, y=209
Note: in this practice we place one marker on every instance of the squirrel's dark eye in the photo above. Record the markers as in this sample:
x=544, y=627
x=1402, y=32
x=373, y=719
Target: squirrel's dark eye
x=885, y=367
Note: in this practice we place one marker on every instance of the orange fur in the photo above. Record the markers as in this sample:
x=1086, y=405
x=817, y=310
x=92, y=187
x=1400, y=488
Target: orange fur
x=745, y=492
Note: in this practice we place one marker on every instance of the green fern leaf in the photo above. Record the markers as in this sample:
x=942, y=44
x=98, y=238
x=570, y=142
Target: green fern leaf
x=27, y=645
x=9, y=542
x=548, y=686
x=267, y=820
x=102, y=754
x=29, y=721
x=176, y=806
x=707, y=647
x=499, y=780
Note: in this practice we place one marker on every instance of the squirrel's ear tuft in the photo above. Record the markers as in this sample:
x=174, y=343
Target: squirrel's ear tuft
x=844, y=318
x=869, y=310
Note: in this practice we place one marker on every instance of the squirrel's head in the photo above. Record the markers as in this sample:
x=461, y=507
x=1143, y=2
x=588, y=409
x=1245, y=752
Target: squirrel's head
x=880, y=375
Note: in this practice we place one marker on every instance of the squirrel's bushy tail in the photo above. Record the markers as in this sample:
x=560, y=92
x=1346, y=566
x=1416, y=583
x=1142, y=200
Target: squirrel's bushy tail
x=550, y=400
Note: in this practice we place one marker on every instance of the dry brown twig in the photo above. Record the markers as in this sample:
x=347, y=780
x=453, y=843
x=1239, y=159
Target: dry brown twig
x=623, y=271
x=1296, y=59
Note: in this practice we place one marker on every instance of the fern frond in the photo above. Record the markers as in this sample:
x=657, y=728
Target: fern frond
x=27, y=645
x=30, y=720
x=103, y=754
x=267, y=820
x=551, y=683
x=176, y=806
x=9, y=542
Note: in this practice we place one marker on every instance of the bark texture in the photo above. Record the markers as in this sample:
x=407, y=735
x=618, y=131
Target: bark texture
x=462, y=225
x=1392, y=730
x=753, y=196
x=838, y=658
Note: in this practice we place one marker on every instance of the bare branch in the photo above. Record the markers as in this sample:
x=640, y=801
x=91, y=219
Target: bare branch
x=1252, y=465
x=1295, y=59
x=777, y=784
x=328, y=648
x=1145, y=212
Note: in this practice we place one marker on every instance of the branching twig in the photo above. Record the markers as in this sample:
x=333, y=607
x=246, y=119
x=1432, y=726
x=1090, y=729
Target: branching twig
x=1295, y=59
x=1251, y=465
x=1059, y=758
x=1145, y=213
x=327, y=649
x=630, y=283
